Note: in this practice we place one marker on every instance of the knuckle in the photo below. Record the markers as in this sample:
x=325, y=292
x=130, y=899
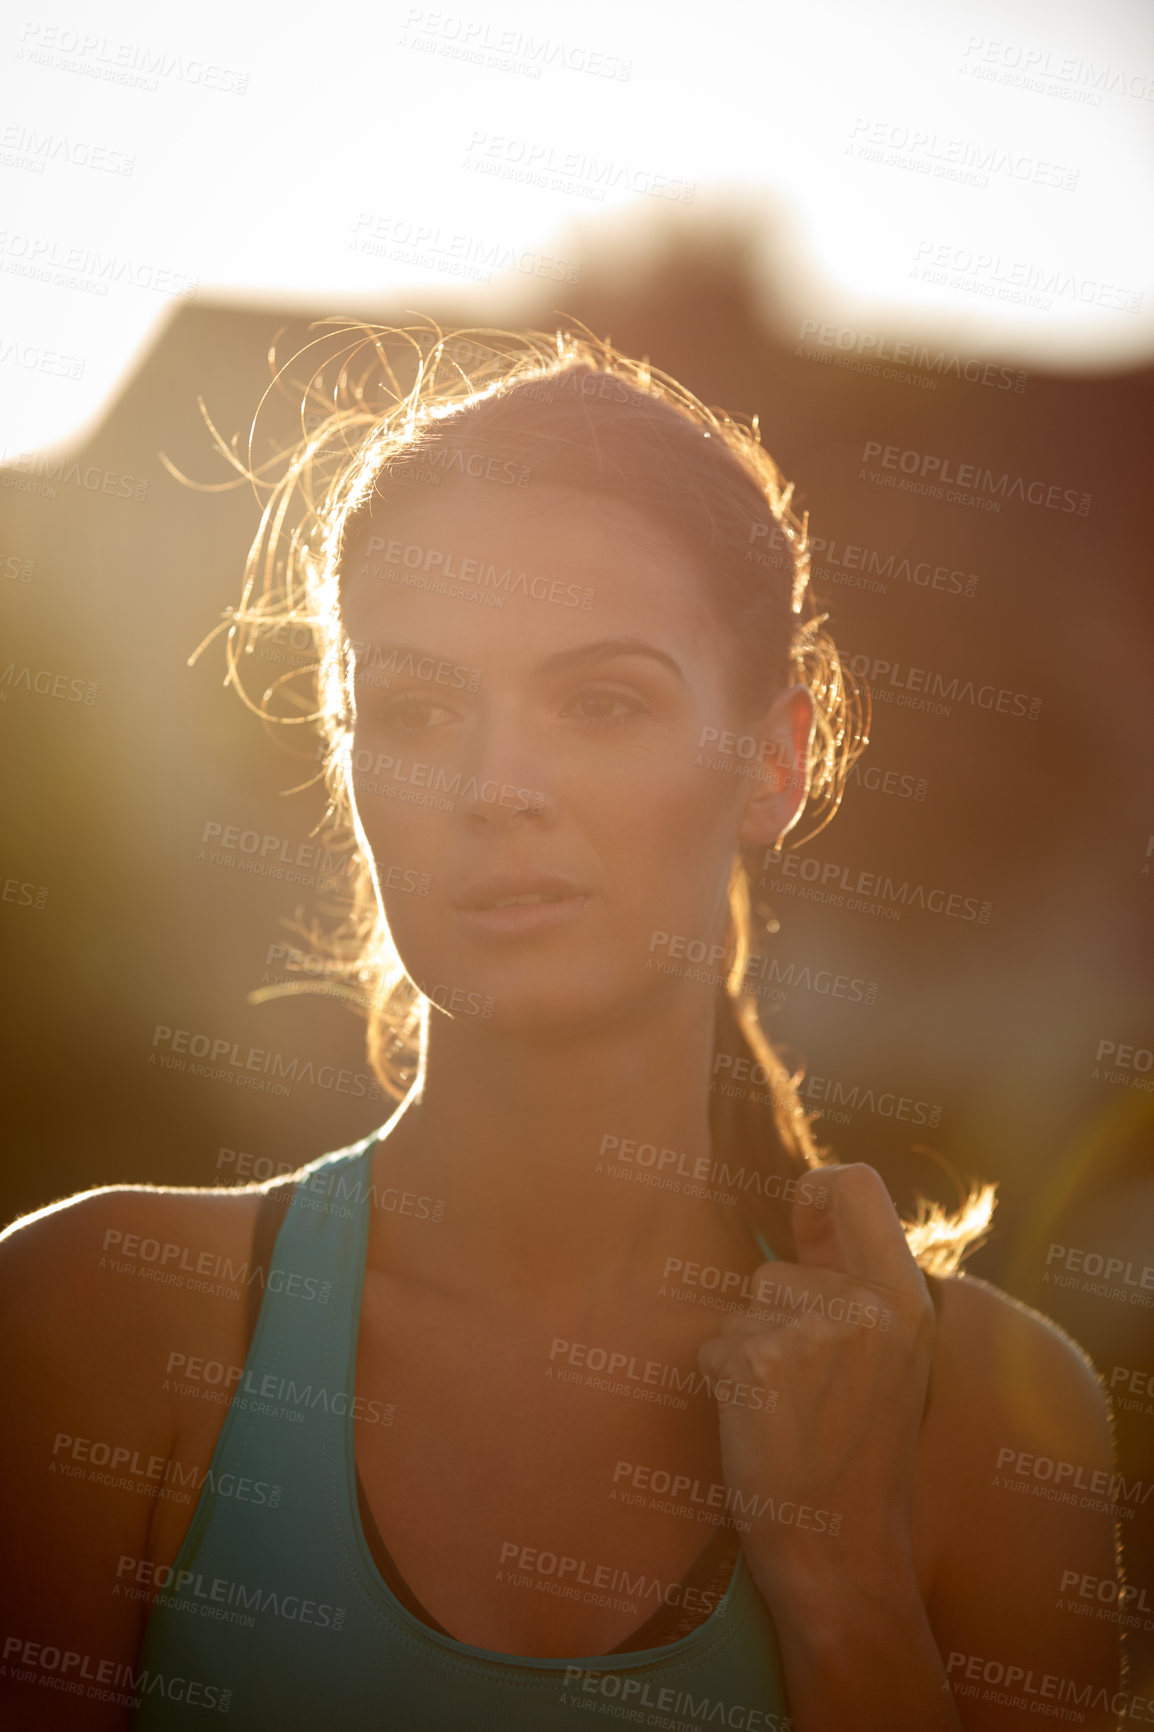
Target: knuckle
x=756, y=1357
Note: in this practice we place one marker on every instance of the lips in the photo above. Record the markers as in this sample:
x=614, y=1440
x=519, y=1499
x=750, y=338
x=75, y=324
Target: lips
x=516, y=890
x=511, y=905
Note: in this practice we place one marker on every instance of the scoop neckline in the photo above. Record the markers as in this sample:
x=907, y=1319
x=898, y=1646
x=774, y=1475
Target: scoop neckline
x=714, y=1628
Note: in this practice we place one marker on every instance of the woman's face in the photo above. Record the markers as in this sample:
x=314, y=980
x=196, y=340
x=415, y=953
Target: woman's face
x=533, y=779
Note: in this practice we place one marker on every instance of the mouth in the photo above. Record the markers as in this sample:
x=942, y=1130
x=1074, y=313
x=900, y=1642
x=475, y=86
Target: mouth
x=515, y=890
x=518, y=901
x=508, y=904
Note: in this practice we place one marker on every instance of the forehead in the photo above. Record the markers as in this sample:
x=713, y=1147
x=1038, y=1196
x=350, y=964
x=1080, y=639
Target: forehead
x=564, y=566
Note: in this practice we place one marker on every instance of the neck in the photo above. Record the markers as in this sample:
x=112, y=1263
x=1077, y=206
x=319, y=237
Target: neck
x=534, y=1145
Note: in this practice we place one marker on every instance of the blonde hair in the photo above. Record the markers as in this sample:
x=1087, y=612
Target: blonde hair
x=364, y=429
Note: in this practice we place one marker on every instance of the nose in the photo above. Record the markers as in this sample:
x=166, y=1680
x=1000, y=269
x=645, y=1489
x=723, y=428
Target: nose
x=506, y=782
x=492, y=804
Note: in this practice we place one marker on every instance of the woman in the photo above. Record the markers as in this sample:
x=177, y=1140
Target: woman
x=580, y=1387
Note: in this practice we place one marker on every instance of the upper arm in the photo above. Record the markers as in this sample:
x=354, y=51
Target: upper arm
x=1023, y=1462
x=86, y=1445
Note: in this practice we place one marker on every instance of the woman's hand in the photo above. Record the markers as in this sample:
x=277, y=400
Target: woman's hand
x=845, y=1338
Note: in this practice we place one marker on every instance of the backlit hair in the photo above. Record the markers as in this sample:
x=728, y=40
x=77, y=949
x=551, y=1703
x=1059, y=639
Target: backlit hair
x=385, y=416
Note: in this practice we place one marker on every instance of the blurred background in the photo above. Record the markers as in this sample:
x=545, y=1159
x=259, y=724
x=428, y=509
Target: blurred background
x=915, y=241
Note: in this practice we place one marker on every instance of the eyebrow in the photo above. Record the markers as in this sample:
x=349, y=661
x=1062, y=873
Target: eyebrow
x=584, y=655
x=564, y=661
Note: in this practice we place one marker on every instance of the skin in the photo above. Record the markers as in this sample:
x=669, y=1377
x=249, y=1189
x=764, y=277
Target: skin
x=584, y=1039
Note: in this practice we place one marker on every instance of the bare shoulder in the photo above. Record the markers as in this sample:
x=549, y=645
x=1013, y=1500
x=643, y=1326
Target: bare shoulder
x=144, y=1207
x=118, y=1251
x=174, y=1230
x=1008, y=1367
x=94, y=1286
x=98, y=1287
x=1018, y=1482
x=99, y=1291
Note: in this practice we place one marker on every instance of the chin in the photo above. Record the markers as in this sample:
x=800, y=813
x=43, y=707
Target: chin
x=538, y=1003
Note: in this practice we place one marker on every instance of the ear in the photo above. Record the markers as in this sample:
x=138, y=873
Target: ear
x=778, y=796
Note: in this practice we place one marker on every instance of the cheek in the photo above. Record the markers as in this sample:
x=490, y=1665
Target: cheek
x=668, y=843
x=415, y=919
x=405, y=839
x=686, y=802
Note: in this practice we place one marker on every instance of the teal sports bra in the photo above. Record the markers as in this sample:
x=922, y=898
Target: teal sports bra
x=276, y=1613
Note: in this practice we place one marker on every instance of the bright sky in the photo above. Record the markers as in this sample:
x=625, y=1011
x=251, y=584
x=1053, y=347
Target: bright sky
x=981, y=171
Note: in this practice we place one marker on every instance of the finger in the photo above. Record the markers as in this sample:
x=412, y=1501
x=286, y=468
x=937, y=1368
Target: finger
x=786, y=1294
x=715, y=1357
x=858, y=1233
x=781, y=1292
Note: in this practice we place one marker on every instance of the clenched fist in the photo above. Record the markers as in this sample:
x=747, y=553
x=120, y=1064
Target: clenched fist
x=823, y=1480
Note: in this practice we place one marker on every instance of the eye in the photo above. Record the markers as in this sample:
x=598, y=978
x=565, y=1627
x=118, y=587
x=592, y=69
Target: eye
x=601, y=706
x=413, y=713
